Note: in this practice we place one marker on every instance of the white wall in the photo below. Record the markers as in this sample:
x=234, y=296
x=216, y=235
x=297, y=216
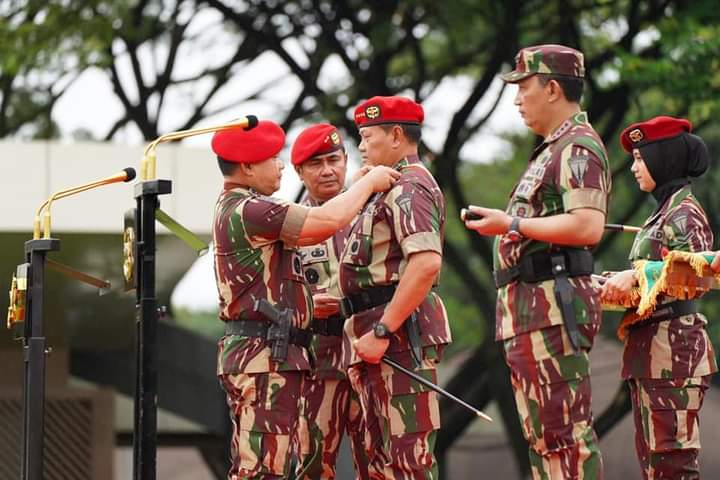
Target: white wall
x=31, y=172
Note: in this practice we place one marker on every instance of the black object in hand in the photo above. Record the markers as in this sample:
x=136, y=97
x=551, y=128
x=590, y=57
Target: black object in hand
x=466, y=214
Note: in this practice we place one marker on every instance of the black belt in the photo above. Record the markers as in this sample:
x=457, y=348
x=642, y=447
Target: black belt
x=538, y=267
x=376, y=296
x=248, y=328
x=330, y=327
x=367, y=299
x=667, y=311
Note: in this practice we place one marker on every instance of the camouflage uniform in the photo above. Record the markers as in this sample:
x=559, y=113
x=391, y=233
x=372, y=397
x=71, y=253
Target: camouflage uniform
x=668, y=363
x=254, y=258
x=331, y=406
x=401, y=416
x=569, y=170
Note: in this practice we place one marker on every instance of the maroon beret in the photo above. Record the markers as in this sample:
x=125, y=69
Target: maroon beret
x=316, y=140
x=658, y=128
x=238, y=145
x=384, y=110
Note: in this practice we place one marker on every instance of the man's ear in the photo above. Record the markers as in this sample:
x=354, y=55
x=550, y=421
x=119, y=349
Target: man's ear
x=397, y=135
x=246, y=169
x=555, y=91
x=298, y=170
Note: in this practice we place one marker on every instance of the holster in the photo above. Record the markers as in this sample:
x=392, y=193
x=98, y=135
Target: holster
x=412, y=328
x=278, y=332
x=564, y=293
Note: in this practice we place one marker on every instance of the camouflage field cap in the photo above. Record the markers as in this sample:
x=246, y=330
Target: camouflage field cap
x=550, y=59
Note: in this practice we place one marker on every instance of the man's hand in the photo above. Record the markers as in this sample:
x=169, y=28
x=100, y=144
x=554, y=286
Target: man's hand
x=715, y=265
x=325, y=305
x=361, y=172
x=381, y=178
x=618, y=286
x=370, y=348
x=494, y=222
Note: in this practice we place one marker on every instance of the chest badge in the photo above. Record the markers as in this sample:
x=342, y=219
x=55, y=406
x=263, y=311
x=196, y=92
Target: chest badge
x=312, y=276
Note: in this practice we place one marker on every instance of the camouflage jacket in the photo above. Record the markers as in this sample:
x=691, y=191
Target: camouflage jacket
x=679, y=347
x=321, y=266
x=569, y=170
x=254, y=238
x=409, y=218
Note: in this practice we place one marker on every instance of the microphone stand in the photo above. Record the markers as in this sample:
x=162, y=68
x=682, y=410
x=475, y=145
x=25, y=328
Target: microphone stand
x=34, y=352
x=146, y=316
x=32, y=278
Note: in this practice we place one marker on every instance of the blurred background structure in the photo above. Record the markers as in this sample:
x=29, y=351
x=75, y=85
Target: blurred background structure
x=85, y=84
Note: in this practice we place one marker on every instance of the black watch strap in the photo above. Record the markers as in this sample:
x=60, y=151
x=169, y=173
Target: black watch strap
x=514, y=227
x=381, y=330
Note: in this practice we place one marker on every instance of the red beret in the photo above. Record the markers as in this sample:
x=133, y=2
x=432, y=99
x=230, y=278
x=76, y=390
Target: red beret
x=383, y=110
x=658, y=128
x=238, y=145
x=316, y=140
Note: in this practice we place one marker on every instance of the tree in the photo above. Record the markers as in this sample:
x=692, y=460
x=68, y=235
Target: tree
x=641, y=56
x=44, y=47
x=389, y=47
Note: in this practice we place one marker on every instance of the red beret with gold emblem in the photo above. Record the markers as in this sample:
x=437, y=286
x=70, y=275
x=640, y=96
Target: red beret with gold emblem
x=384, y=110
x=658, y=128
x=315, y=140
x=255, y=145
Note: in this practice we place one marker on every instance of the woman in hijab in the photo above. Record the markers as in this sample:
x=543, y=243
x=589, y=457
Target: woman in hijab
x=668, y=358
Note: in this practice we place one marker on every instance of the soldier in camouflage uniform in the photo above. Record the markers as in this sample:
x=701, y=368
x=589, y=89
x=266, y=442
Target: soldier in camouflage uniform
x=548, y=312
x=390, y=263
x=256, y=259
x=668, y=358
x=331, y=406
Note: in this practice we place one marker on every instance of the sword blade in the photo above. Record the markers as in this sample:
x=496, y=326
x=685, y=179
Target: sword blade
x=436, y=388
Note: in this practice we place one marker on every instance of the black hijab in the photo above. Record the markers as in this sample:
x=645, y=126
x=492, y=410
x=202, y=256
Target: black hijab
x=671, y=161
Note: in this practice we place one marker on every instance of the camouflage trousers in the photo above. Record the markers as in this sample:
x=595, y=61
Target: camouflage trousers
x=667, y=425
x=552, y=393
x=401, y=418
x=264, y=409
x=331, y=408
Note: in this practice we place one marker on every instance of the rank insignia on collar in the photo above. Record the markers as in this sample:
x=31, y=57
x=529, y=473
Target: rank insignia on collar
x=636, y=135
x=372, y=112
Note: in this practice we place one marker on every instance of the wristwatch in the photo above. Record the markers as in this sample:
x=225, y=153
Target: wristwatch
x=514, y=229
x=381, y=330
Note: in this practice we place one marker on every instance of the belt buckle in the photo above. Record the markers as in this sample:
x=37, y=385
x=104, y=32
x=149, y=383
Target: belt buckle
x=346, y=307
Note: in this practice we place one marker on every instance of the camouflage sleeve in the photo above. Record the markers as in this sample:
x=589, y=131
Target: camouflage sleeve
x=416, y=218
x=582, y=178
x=268, y=220
x=687, y=228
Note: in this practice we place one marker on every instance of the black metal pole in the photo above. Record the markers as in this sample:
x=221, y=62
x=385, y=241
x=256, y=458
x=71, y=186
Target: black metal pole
x=146, y=313
x=34, y=351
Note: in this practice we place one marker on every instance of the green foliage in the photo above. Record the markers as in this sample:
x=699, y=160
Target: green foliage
x=44, y=46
